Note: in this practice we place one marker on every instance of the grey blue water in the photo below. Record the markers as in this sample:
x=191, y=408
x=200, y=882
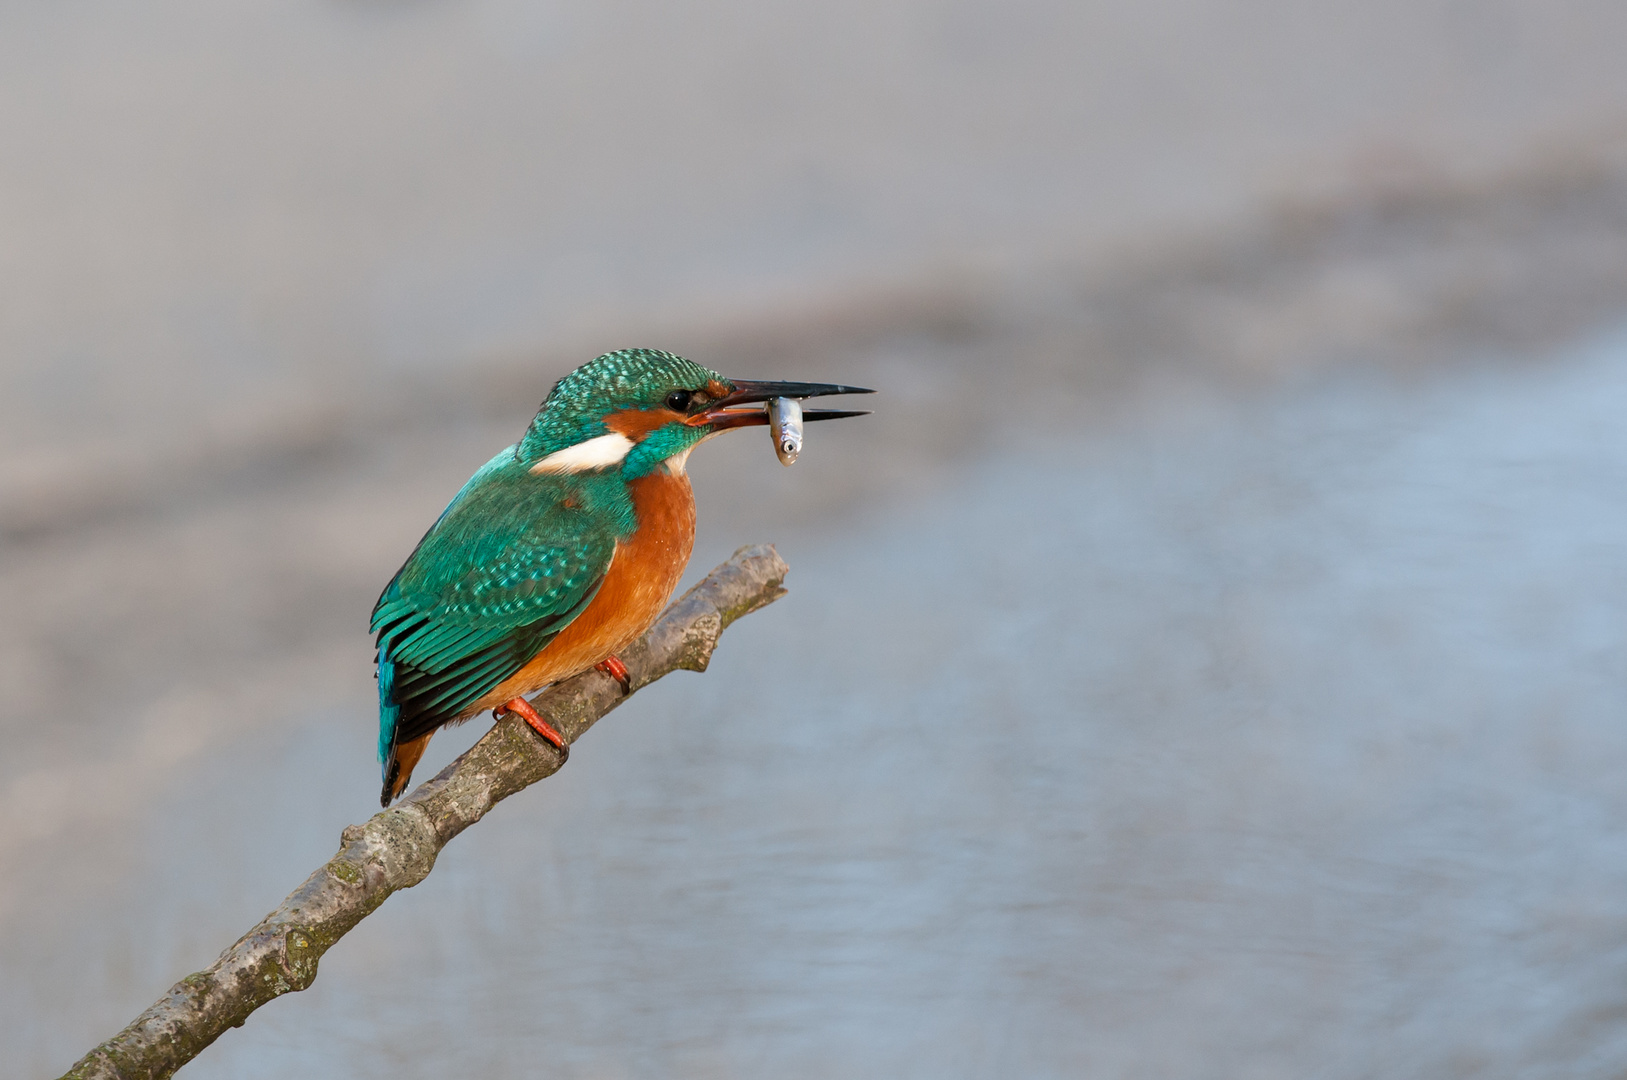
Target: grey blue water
x=1276, y=734
x=1208, y=662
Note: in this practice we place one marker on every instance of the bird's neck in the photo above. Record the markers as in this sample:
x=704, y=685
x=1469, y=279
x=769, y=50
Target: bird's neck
x=664, y=505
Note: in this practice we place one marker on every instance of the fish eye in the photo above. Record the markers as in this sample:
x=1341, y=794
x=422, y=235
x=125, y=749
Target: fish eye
x=678, y=400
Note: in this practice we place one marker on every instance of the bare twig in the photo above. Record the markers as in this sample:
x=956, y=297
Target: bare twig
x=396, y=849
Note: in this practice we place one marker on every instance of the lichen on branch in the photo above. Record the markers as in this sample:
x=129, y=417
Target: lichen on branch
x=397, y=847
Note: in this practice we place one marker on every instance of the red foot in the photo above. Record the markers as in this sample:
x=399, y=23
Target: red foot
x=613, y=667
x=534, y=718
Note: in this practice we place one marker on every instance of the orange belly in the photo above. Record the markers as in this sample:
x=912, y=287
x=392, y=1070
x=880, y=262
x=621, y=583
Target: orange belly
x=643, y=572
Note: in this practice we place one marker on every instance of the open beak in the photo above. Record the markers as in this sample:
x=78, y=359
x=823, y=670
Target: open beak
x=723, y=414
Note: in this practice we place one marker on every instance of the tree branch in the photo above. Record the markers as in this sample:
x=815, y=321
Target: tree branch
x=396, y=849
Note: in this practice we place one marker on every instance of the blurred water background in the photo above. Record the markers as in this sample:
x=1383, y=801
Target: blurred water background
x=1207, y=663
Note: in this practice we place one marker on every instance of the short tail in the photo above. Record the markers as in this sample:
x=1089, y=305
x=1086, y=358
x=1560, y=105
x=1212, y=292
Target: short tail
x=392, y=774
x=397, y=759
x=398, y=766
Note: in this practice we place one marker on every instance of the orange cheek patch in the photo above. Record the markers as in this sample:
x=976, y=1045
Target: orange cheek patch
x=634, y=424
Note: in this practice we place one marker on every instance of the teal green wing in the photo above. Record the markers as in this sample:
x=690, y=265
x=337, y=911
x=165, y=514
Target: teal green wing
x=510, y=563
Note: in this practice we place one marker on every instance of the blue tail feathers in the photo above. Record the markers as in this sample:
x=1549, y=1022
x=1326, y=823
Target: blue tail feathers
x=389, y=713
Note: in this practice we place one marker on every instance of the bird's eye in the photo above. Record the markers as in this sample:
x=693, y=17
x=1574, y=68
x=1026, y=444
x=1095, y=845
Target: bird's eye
x=678, y=400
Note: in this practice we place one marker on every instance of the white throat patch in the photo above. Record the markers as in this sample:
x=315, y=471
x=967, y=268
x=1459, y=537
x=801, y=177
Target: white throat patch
x=676, y=463
x=596, y=453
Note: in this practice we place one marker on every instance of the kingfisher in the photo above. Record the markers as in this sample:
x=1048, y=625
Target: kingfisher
x=558, y=552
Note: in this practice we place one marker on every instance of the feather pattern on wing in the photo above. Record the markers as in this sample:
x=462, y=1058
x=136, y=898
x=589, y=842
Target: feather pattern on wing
x=512, y=560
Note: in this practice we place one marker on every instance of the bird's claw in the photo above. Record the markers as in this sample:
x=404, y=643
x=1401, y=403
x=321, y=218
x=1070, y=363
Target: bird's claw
x=613, y=667
x=536, y=723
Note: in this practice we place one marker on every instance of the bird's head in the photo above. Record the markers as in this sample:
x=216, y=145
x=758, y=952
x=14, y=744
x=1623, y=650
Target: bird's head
x=639, y=408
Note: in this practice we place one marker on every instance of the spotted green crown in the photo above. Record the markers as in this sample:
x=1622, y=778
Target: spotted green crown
x=575, y=408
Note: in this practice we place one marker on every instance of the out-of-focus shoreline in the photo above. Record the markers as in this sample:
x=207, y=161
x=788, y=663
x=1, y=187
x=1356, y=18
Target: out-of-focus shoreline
x=1410, y=273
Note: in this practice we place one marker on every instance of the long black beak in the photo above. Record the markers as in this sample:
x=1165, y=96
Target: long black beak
x=746, y=391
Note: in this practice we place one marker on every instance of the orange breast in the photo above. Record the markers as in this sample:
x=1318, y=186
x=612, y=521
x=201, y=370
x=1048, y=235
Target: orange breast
x=643, y=572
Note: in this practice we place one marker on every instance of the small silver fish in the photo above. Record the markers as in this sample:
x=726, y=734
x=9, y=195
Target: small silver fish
x=785, y=428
